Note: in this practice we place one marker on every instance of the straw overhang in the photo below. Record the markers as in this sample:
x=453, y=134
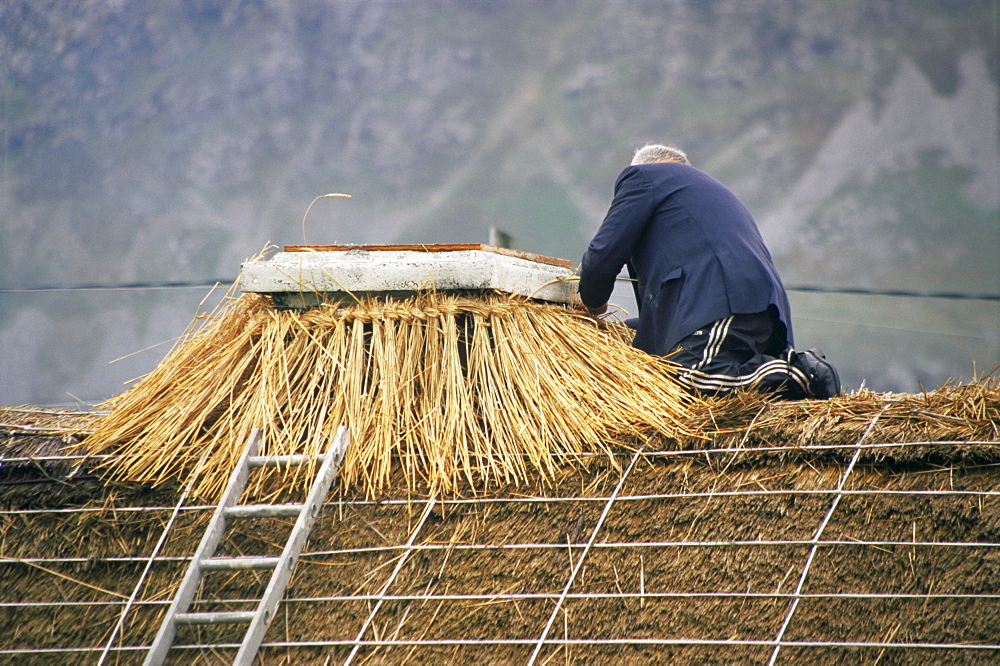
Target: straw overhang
x=448, y=387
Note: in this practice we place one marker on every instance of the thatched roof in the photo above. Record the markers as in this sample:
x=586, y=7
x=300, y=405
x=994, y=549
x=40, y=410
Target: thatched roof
x=862, y=529
x=451, y=387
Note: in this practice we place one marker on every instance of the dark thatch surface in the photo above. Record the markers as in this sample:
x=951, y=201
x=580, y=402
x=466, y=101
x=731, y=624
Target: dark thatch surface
x=693, y=562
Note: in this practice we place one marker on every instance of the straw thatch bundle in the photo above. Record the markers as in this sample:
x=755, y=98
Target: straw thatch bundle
x=448, y=388
x=966, y=414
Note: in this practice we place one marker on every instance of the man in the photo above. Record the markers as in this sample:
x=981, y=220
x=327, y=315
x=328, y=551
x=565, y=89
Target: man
x=707, y=290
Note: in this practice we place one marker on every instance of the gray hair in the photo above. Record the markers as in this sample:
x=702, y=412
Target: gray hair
x=654, y=152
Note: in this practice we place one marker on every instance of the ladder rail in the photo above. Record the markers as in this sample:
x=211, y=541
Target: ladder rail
x=293, y=548
x=209, y=542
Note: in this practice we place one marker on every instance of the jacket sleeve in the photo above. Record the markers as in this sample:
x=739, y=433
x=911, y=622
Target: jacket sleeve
x=631, y=210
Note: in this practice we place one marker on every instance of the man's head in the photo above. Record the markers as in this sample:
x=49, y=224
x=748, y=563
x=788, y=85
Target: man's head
x=653, y=152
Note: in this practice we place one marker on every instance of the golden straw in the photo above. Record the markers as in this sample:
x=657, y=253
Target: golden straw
x=447, y=389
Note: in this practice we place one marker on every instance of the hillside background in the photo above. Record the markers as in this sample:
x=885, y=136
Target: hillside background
x=166, y=142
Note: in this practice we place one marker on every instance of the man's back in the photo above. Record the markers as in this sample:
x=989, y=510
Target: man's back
x=693, y=247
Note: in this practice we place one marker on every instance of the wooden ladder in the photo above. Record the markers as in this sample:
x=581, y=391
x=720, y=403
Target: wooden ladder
x=281, y=566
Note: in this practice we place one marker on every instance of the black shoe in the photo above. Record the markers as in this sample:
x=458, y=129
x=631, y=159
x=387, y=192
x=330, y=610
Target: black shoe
x=824, y=382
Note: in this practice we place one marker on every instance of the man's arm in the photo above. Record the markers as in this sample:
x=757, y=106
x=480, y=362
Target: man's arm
x=631, y=209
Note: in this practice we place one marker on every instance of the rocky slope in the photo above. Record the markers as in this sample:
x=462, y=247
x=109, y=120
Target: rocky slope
x=146, y=142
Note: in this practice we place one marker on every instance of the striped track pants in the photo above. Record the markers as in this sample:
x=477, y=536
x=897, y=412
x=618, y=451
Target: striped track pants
x=740, y=352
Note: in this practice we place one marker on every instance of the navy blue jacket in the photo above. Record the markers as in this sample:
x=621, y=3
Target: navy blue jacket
x=692, y=248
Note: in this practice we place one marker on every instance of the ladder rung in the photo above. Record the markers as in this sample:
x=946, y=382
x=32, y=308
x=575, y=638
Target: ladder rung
x=234, y=563
x=230, y=617
x=263, y=510
x=283, y=461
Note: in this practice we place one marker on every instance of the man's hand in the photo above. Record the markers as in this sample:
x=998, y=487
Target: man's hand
x=593, y=312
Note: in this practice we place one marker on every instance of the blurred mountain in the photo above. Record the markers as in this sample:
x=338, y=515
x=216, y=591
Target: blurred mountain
x=168, y=141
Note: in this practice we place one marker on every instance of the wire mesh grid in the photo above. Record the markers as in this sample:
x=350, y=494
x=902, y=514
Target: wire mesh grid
x=697, y=556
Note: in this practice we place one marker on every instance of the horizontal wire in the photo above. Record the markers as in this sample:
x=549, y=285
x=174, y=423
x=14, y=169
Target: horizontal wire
x=537, y=500
x=805, y=288
x=721, y=543
x=64, y=458
x=45, y=412
x=666, y=453
x=127, y=286
x=526, y=596
x=106, y=509
x=458, y=642
x=532, y=500
x=625, y=641
x=904, y=293
x=449, y=546
x=657, y=453
x=646, y=454
x=16, y=429
x=630, y=641
x=340, y=503
x=659, y=496
x=908, y=329
x=809, y=447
